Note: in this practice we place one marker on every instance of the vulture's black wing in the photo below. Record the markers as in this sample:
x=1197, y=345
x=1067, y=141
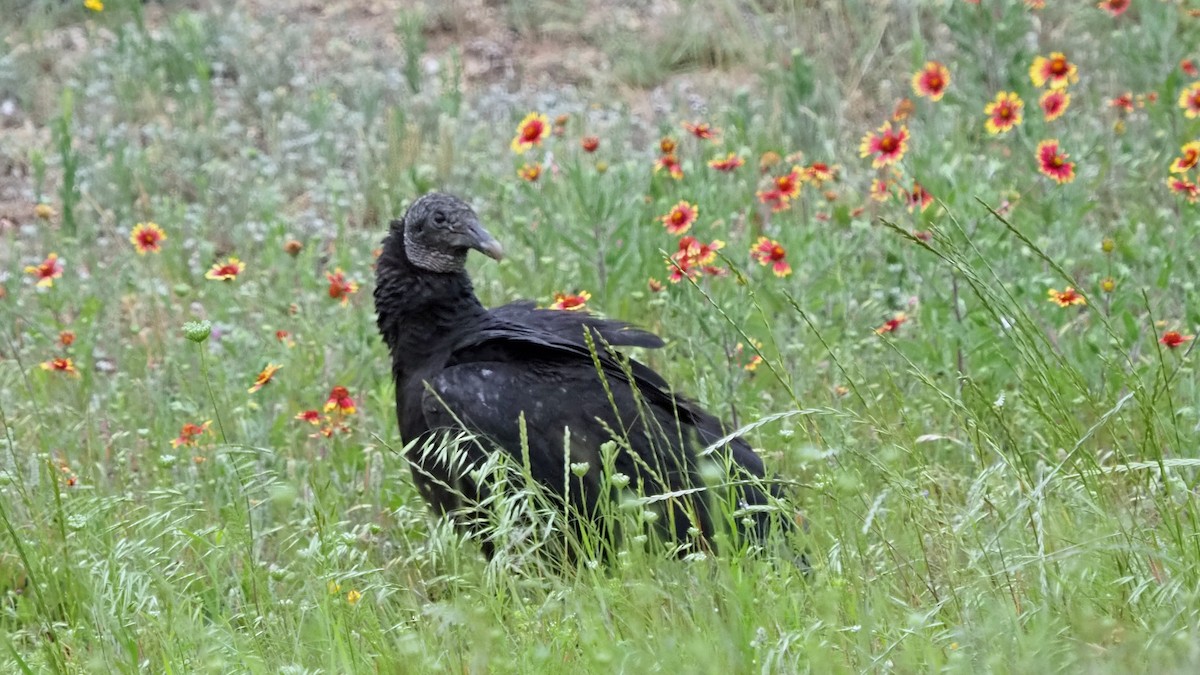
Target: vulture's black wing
x=514, y=368
x=568, y=326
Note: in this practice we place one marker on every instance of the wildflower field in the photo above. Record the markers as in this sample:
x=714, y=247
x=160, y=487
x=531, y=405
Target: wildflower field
x=939, y=258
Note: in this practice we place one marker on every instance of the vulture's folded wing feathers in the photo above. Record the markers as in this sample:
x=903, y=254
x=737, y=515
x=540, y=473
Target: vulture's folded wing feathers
x=569, y=325
x=557, y=395
x=506, y=371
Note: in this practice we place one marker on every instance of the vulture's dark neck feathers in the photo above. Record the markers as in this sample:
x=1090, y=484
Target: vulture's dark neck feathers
x=419, y=312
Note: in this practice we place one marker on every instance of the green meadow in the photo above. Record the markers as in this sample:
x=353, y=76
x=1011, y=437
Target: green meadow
x=939, y=259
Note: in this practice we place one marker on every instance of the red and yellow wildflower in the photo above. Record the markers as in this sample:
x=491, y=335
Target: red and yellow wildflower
x=264, y=377
x=530, y=172
x=755, y=359
x=226, y=271
x=1052, y=162
x=1004, y=112
x=47, y=271
x=773, y=198
x=670, y=164
x=1054, y=71
x=1054, y=103
x=1173, y=339
x=532, y=130
x=702, y=130
x=931, y=81
x=189, y=434
x=770, y=252
x=881, y=190
x=1114, y=7
x=1185, y=188
x=571, y=301
x=1124, y=102
x=1067, y=297
x=60, y=365
x=339, y=288
x=918, y=198
x=885, y=145
x=1189, y=100
x=693, y=259
x=819, y=173
x=339, y=400
x=789, y=184
x=893, y=324
x=700, y=253
x=680, y=218
x=1189, y=157
x=727, y=163
x=147, y=238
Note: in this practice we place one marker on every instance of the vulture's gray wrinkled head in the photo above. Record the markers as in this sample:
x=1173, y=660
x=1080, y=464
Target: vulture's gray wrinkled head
x=439, y=229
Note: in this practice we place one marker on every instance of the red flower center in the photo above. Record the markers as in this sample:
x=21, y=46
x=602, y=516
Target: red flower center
x=888, y=144
x=1059, y=67
x=531, y=132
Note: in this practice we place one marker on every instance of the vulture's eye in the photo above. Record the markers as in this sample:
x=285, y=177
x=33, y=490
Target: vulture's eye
x=439, y=218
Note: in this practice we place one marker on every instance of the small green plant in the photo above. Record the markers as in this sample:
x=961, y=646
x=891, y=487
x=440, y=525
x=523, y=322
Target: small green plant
x=410, y=24
x=68, y=161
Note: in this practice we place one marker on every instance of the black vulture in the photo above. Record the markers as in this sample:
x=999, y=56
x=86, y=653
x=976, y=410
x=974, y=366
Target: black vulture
x=459, y=367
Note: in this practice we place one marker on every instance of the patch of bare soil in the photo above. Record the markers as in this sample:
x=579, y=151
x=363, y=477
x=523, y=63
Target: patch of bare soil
x=491, y=50
x=15, y=203
x=497, y=45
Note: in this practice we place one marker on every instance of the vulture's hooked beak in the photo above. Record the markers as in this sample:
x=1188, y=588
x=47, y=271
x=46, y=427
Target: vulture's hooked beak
x=484, y=242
